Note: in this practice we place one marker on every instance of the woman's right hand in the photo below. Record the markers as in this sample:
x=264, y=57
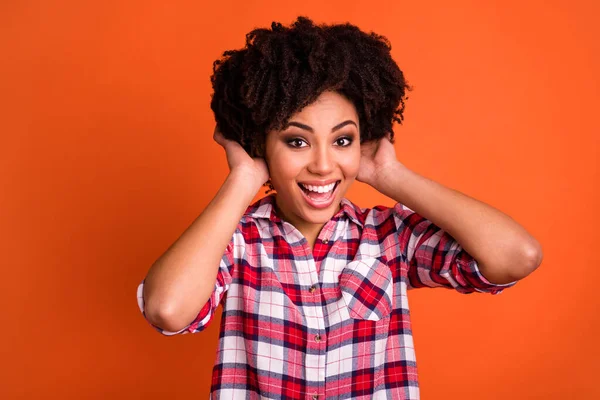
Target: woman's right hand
x=240, y=161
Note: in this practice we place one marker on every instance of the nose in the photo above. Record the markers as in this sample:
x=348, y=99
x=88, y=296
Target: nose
x=322, y=161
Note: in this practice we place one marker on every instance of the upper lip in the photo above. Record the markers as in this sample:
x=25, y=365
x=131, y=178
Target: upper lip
x=319, y=183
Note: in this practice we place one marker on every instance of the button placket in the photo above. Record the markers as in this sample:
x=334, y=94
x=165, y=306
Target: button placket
x=315, y=361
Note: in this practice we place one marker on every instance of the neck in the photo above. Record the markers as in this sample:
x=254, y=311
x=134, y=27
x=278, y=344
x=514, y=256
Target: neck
x=309, y=230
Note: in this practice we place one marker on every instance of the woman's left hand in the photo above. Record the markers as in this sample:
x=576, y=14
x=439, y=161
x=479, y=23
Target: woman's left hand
x=377, y=156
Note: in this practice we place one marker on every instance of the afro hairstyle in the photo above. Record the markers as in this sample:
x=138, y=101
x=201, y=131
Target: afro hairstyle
x=283, y=69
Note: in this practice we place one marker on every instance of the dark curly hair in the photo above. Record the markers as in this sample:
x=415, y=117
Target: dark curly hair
x=281, y=70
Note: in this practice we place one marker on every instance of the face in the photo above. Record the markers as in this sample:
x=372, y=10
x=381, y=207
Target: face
x=314, y=160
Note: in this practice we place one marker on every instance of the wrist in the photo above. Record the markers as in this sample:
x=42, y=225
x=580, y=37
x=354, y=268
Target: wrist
x=245, y=181
x=386, y=175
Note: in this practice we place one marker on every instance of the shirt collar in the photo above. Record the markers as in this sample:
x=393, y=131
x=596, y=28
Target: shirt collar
x=264, y=208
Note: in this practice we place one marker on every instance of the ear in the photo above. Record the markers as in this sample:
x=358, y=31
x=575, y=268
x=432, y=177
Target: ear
x=259, y=151
x=390, y=136
x=261, y=146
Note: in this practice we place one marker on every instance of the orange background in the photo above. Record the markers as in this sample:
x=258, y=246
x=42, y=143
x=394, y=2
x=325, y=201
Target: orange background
x=106, y=158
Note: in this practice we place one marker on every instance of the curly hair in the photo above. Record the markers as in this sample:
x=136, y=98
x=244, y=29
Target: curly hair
x=281, y=70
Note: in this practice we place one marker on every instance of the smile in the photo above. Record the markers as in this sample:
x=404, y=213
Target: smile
x=319, y=189
x=321, y=196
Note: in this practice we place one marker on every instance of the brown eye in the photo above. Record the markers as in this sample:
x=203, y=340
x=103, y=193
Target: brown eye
x=344, y=141
x=296, y=143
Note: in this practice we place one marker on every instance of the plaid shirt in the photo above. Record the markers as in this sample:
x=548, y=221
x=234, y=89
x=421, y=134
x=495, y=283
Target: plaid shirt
x=334, y=322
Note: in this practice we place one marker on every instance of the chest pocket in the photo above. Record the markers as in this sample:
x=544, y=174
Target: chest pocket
x=367, y=289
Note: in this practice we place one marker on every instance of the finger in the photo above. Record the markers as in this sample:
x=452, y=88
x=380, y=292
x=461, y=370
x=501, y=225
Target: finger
x=217, y=133
x=369, y=148
x=219, y=138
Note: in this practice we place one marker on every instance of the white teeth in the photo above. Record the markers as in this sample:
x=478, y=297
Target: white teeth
x=319, y=189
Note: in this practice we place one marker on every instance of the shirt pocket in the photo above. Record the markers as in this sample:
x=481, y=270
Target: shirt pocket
x=367, y=289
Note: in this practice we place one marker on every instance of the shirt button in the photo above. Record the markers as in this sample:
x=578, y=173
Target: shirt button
x=312, y=289
x=325, y=241
x=315, y=396
x=317, y=338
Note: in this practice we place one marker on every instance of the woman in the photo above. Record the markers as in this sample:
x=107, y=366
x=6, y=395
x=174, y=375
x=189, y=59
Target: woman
x=314, y=287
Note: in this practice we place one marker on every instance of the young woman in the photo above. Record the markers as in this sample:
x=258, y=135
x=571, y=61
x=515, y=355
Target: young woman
x=314, y=287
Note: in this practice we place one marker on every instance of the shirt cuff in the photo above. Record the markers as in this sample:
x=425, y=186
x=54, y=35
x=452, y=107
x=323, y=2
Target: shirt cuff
x=480, y=282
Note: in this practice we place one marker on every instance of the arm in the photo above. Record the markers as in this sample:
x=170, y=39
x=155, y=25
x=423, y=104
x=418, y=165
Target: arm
x=504, y=251
x=182, y=280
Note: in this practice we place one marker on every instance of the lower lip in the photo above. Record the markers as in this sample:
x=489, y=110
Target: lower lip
x=320, y=204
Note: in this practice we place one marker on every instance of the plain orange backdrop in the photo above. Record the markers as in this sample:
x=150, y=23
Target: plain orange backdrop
x=106, y=157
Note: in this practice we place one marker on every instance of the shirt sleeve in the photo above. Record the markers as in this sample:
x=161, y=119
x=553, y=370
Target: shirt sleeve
x=436, y=259
x=223, y=281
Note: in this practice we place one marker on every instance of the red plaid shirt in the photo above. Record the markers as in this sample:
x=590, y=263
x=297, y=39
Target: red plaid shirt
x=333, y=323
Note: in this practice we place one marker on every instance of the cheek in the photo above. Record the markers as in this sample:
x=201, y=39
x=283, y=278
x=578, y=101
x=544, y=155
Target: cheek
x=283, y=169
x=351, y=164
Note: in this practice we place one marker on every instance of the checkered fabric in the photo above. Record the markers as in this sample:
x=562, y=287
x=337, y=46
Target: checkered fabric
x=334, y=322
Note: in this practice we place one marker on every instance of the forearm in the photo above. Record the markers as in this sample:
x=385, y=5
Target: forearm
x=504, y=250
x=182, y=280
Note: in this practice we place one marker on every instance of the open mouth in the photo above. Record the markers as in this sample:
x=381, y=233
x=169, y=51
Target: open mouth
x=319, y=196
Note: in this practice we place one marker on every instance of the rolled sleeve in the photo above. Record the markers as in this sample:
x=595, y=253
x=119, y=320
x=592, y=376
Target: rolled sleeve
x=436, y=259
x=469, y=268
x=222, y=283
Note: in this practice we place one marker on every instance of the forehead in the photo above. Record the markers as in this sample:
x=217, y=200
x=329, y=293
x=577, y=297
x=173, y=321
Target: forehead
x=329, y=106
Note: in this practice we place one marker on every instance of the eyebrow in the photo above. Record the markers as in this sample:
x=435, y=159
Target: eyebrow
x=308, y=128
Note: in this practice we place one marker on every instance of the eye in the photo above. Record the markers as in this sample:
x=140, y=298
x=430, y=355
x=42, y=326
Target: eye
x=296, y=143
x=344, y=141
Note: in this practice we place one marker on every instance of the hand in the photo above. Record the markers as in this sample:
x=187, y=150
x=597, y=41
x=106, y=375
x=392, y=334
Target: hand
x=239, y=160
x=377, y=156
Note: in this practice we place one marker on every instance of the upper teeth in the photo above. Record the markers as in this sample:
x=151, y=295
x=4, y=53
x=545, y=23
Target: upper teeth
x=319, y=189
